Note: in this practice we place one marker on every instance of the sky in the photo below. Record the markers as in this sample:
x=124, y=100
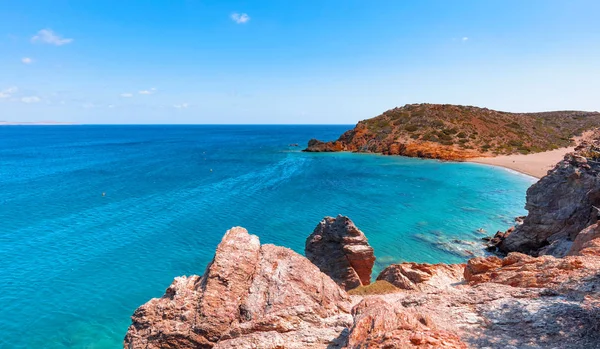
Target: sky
x=291, y=62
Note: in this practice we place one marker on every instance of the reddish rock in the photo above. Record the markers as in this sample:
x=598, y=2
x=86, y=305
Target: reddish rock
x=380, y=324
x=249, y=294
x=341, y=251
x=520, y=270
x=586, y=235
x=420, y=276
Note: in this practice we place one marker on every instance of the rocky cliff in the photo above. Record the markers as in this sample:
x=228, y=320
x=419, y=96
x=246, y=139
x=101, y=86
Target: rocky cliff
x=264, y=296
x=560, y=205
x=454, y=132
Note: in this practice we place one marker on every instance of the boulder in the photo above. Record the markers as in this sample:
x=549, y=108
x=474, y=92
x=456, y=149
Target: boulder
x=341, y=251
x=249, y=294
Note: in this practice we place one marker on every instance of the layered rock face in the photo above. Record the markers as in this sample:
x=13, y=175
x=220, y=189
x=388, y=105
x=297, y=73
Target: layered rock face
x=341, y=251
x=560, y=205
x=250, y=296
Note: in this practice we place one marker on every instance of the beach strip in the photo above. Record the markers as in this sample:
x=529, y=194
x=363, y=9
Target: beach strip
x=535, y=165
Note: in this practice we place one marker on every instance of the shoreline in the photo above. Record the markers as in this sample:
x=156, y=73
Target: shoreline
x=535, y=165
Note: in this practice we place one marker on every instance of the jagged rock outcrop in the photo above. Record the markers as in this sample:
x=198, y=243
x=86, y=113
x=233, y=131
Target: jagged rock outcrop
x=341, y=251
x=421, y=276
x=455, y=132
x=560, y=205
x=250, y=296
x=520, y=270
x=317, y=146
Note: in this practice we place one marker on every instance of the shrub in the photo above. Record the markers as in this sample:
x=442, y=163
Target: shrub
x=411, y=128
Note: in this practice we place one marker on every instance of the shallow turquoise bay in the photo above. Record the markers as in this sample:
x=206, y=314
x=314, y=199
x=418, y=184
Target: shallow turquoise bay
x=75, y=264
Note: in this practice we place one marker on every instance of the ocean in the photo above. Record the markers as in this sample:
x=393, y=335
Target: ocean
x=96, y=220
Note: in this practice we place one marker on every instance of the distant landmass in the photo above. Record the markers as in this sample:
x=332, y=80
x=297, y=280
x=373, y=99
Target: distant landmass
x=455, y=132
x=10, y=123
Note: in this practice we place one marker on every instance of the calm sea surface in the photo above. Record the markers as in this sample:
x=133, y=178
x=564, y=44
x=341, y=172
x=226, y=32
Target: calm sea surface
x=75, y=264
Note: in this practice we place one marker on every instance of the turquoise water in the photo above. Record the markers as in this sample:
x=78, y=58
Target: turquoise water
x=75, y=264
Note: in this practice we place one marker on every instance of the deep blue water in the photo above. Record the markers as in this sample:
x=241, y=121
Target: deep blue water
x=75, y=264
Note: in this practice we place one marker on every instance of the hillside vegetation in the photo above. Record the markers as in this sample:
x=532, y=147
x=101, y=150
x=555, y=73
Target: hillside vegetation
x=455, y=132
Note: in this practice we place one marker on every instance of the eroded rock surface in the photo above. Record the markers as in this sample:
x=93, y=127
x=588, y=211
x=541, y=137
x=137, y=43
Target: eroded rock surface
x=250, y=296
x=422, y=276
x=381, y=324
x=341, y=251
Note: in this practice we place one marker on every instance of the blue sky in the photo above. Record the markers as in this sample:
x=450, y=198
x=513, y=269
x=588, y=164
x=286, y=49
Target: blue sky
x=284, y=61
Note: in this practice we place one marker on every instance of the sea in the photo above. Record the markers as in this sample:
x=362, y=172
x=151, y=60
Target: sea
x=95, y=220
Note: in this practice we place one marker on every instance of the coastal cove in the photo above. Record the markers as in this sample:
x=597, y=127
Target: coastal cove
x=99, y=219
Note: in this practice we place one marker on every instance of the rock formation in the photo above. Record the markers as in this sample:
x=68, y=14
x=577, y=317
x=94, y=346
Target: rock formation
x=560, y=205
x=264, y=296
x=380, y=324
x=341, y=251
x=250, y=296
x=421, y=276
x=454, y=132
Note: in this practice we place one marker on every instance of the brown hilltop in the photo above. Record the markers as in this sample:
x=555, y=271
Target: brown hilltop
x=454, y=132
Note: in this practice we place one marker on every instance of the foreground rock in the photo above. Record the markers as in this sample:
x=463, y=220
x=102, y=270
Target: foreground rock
x=380, y=324
x=341, y=251
x=264, y=296
x=560, y=205
x=250, y=296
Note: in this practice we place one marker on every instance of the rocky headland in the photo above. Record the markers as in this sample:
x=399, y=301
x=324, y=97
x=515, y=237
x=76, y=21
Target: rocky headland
x=454, y=132
x=542, y=294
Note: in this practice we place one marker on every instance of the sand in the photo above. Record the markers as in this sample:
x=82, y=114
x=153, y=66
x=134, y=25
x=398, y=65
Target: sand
x=535, y=165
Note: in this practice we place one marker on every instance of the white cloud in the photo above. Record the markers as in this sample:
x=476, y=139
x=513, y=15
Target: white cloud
x=31, y=99
x=465, y=38
x=26, y=60
x=181, y=106
x=148, y=92
x=111, y=106
x=126, y=95
x=47, y=36
x=240, y=18
x=8, y=92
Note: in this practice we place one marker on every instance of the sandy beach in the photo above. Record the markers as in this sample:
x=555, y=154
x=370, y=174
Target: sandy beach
x=535, y=165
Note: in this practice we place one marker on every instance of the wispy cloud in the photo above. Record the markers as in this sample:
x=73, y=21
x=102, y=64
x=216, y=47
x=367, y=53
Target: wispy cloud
x=148, y=92
x=240, y=18
x=181, y=106
x=47, y=36
x=6, y=93
x=31, y=99
x=465, y=38
x=26, y=60
x=126, y=95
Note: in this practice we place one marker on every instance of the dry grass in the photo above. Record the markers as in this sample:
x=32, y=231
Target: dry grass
x=378, y=287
